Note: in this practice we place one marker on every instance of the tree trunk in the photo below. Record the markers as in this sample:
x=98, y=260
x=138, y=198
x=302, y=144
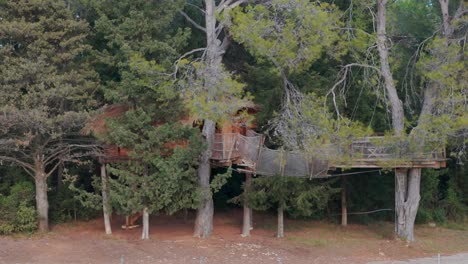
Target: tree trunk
x=280, y=232
x=446, y=27
x=145, y=232
x=407, y=181
x=407, y=188
x=215, y=50
x=42, y=203
x=247, y=219
x=392, y=95
x=105, y=201
x=344, y=209
x=204, y=219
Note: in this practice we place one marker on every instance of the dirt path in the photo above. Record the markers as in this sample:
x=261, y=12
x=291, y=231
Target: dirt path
x=171, y=242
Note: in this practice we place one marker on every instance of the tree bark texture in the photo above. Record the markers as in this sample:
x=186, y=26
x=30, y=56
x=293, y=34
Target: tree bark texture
x=204, y=219
x=105, y=201
x=215, y=50
x=407, y=196
x=42, y=203
x=392, y=95
x=280, y=232
x=344, y=209
x=145, y=231
x=247, y=219
x=444, y=8
x=407, y=181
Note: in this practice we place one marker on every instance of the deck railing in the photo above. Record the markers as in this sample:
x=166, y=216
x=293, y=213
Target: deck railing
x=360, y=153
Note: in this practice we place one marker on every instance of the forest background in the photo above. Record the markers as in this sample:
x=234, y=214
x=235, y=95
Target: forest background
x=61, y=61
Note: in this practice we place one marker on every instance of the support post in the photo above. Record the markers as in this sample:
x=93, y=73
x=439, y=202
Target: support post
x=344, y=209
x=247, y=220
x=145, y=232
x=280, y=232
x=105, y=200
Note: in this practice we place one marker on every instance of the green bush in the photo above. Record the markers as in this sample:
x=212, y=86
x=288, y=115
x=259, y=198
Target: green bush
x=6, y=228
x=17, y=207
x=25, y=220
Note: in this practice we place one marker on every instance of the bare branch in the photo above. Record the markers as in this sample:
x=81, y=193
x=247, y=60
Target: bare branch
x=18, y=162
x=176, y=63
x=237, y=3
x=195, y=24
x=196, y=7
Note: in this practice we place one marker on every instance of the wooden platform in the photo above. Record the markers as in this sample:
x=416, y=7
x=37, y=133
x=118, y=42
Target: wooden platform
x=370, y=152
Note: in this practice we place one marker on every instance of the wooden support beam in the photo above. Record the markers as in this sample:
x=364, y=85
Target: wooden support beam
x=344, y=209
x=105, y=200
x=247, y=219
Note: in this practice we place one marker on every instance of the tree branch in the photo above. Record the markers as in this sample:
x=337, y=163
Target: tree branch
x=195, y=24
x=176, y=63
x=196, y=7
x=17, y=161
x=53, y=169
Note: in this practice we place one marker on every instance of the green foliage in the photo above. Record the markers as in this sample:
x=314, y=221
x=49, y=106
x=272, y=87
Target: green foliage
x=414, y=19
x=429, y=205
x=127, y=28
x=18, y=212
x=67, y=203
x=46, y=87
x=25, y=220
x=160, y=178
x=161, y=174
x=298, y=196
x=291, y=34
x=6, y=228
x=219, y=180
x=211, y=92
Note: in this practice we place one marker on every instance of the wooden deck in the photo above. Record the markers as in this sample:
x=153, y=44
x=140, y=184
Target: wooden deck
x=370, y=152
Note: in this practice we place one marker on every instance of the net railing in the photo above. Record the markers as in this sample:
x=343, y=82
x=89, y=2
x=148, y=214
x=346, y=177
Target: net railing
x=249, y=150
x=381, y=149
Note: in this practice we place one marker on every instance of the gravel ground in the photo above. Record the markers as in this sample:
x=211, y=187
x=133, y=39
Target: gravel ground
x=455, y=259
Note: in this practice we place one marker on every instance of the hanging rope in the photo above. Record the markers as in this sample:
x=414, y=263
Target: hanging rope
x=368, y=212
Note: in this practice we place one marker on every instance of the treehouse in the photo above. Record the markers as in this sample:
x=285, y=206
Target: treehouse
x=240, y=123
x=236, y=143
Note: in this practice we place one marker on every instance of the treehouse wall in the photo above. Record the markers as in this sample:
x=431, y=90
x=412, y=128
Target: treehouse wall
x=237, y=124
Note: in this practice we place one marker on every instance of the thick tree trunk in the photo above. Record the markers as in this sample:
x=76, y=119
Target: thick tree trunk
x=247, y=219
x=105, y=201
x=344, y=209
x=42, y=203
x=204, y=219
x=407, y=188
x=145, y=232
x=280, y=232
x=215, y=50
x=407, y=181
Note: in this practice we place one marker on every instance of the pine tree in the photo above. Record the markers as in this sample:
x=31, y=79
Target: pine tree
x=161, y=173
x=46, y=89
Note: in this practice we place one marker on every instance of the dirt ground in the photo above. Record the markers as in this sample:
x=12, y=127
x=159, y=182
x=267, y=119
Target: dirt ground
x=172, y=242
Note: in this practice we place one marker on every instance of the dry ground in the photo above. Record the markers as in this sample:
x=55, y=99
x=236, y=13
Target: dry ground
x=171, y=242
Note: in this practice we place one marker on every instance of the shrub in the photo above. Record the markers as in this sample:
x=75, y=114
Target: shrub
x=17, y=207
x=25, y=220
x=6, y=228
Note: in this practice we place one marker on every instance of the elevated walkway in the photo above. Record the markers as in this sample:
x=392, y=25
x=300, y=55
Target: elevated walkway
x=248, y=151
